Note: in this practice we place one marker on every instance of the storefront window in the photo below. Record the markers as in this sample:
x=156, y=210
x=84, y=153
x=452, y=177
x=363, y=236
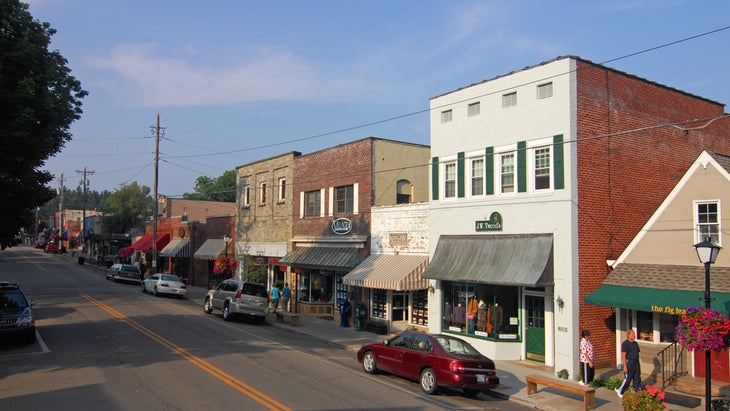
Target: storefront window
x=420, y=307
x=379, y=304
x=483, y=310
x=646, y=323
x=315, y=287
x=667, y=325
x=644, y=326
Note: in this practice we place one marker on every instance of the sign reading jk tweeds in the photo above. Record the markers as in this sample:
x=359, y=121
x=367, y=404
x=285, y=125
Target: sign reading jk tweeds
x=493, y=224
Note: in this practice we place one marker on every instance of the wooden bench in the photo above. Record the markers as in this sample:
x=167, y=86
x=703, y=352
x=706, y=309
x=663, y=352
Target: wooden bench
x=588, y=393
x=293, y=317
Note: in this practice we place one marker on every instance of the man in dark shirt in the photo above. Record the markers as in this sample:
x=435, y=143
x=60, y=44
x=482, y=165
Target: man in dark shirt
x=630, y=361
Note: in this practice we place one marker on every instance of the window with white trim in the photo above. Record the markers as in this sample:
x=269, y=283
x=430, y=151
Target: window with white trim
x=707, y=219
x=542, y=168
x=477, y=176
x=246, y=196
x=344, y=199
x=282, y=189
x=312, y=203
x=446, y=116
x=449, y=180
x=507, y=172
x=473, y=109
x=262, y=194
x=544, y=90
x=509, y=99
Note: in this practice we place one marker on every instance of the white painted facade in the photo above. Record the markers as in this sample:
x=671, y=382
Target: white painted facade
x=534, y=121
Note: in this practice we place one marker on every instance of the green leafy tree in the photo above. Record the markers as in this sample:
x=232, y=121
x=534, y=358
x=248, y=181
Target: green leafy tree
x=222, y=188
x=39, y=99
x=127, y=208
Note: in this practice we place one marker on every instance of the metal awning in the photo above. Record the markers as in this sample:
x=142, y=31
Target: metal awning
x=211, y=249
x=390, y=272
x=519, y=260
x=324, y=258
x=179, y=247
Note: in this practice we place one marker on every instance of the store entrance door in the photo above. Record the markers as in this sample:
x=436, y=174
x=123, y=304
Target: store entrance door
x=400, y=306
x=535, y=328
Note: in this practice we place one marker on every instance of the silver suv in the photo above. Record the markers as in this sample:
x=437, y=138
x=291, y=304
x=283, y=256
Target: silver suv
x=16, y=317
x=238, y=297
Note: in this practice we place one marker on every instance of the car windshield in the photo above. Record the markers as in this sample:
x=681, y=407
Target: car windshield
x=12, y=299
x=168, y=277
x=456, y=346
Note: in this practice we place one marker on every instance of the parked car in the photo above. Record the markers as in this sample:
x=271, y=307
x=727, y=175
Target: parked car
x=52, y=246
x=237, y=297
x=433, y=360
x=168, y=284
x=124, y=272
x=16, y=316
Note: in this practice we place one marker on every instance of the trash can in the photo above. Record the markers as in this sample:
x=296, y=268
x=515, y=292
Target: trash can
x=361, y=314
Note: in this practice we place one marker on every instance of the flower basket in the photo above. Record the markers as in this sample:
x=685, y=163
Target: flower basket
x=225, y=267
x=648, y=399
x=703, y=329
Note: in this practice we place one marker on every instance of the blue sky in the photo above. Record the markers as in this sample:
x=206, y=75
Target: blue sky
x=239, y=81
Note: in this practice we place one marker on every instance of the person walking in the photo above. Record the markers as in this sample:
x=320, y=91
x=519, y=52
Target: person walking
x=630, y=360
x=285, y=296
x=586, y=358
x=274, y=297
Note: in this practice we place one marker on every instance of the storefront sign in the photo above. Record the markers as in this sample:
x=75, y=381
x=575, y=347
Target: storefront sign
x=668, y=310
x=342, y=226
x=260, y=260
x=493, y=224
x=398, y=239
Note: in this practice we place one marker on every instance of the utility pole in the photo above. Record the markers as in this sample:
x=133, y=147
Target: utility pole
x=60, y=217
x=85, y=183
x=155, y=203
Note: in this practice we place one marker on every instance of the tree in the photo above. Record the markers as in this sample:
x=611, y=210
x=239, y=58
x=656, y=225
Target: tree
x=222, y=188
x=39, y=99
x=127, y=207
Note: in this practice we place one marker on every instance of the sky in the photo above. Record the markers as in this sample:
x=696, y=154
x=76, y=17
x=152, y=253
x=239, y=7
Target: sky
x=237, y=81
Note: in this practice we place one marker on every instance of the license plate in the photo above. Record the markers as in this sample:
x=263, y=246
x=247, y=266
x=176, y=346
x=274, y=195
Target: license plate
x=481, y=378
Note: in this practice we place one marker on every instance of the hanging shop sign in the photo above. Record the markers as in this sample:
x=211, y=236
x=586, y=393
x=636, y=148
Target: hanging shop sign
x=493, y=224
x=342, y=226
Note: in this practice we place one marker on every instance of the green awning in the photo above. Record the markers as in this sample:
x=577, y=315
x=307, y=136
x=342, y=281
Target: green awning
x=655, y=299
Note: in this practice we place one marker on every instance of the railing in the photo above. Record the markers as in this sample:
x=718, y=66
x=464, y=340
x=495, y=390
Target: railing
x=673, y=364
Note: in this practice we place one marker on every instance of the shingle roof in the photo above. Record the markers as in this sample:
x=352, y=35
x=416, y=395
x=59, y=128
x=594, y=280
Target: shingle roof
x=670, y=277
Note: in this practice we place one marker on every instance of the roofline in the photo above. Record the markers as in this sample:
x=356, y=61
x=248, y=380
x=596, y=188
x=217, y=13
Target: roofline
x=290, y=153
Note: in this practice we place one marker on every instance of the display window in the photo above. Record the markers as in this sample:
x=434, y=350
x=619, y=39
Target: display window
x=655, y=327
x=481, y=310
x=379, y=304
x=315, y=287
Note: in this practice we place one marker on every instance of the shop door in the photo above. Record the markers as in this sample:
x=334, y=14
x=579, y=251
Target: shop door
x=535, y=328
x=400, y=306
x=718, y=365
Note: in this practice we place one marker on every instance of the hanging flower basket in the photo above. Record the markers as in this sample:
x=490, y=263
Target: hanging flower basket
x=225, y=267
x=703, y=329
x=648, y=399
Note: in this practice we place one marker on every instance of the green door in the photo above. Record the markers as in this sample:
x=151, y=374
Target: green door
x=535, y=332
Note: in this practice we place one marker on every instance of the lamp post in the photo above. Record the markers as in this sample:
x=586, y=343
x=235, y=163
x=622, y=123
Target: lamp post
x=226, y=239
x=707, y=252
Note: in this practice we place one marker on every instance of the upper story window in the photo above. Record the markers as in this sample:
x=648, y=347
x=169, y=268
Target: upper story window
x=707, y=219
x=509, y=99
x=449, y=180
x=246, y=196
x=344, y=199
x=507, y=172
x=282, y=190
x=542, y=168
x=312, y=203
x=473, y=109
x=405, y=192
x=477, y=177
x=544, y=90
x=446, y=116
x=262, y=193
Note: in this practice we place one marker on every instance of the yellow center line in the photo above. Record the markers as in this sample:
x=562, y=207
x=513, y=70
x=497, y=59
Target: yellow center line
x=211, y=369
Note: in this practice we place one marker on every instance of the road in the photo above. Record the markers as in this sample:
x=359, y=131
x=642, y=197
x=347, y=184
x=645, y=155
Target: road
x=105, y=345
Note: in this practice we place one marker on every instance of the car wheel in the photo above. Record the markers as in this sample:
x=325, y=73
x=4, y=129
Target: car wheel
x=207, y=306
x=429, y=385
x=155, y=293
x=368, y=363
x=471, y=393
x=226, y=313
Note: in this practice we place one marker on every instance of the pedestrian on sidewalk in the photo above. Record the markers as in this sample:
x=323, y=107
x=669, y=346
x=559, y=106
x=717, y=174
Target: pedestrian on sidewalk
x=630, y=360
x=586, y=358
x=285, y=296
x=274, y=294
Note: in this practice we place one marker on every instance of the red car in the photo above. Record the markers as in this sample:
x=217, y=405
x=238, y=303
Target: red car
x=432, y=360
x=52, y=246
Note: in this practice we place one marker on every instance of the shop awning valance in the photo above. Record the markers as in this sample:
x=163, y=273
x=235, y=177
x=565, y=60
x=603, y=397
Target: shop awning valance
x=144, y=244
x=211, y=249
x=179, y=247
x=390, y=272
x=324, y=258
x=519, y=260
x=655, y=299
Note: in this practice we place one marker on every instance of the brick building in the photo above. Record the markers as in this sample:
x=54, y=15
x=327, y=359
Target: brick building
x=539, y=177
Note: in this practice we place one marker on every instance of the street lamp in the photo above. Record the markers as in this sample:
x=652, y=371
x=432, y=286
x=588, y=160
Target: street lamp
x=226, y=239
x=707, y=252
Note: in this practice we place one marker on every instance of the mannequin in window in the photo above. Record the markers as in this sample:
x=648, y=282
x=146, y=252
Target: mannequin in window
x=473, y=306
x=497, y=317
x=459, y=314
x=482, y=316
x=448, y=313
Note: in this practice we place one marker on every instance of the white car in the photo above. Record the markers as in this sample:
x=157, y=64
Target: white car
x=168, y=284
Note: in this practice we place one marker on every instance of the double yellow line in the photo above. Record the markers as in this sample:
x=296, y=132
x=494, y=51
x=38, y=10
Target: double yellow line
x=211, y=369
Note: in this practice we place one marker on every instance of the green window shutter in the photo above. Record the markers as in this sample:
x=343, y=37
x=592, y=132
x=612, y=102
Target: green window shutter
x=521, y=166
x=435, y=178
x=460, y=175
x=489, y=169
x=559, y=157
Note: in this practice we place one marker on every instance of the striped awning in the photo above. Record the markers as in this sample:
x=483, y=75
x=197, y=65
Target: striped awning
x=324, y=258
x=179, y=247
x=390, y=272
x=211, y=249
